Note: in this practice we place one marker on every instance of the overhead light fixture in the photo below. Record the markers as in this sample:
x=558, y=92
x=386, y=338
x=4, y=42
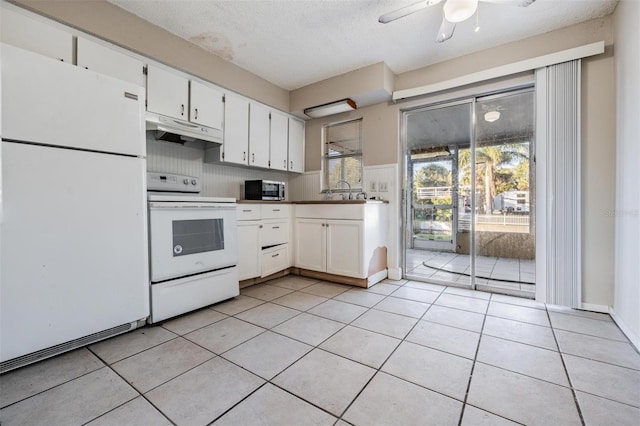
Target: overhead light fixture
x=331, y=108
x=492, y=116
x=431, y=152
x=459, y=10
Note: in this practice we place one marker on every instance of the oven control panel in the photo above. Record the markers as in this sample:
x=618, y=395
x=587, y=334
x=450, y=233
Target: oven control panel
x=167, y=182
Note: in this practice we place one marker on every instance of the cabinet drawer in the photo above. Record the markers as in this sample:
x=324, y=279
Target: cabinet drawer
x=248, y=212
x=275, y=259
x=275, y=232
x=331, y=211
x=276, y=211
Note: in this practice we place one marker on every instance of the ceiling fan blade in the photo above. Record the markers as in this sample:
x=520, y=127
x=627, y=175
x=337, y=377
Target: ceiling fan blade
x=446, y=30
x=407, y=10
x=521, y=3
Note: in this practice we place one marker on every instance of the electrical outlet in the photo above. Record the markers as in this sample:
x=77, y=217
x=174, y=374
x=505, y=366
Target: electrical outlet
x=383, y=186
x=373, y=186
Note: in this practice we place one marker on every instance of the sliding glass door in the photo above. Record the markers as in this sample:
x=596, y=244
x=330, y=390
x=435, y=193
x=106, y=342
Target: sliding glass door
x=469, y=193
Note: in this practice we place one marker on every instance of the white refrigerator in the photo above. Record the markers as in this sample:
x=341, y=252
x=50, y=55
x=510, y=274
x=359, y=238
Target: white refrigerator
x=73, y=230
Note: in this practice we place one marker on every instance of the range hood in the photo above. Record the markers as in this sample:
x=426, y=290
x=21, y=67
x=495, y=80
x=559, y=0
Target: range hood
x=173, y=130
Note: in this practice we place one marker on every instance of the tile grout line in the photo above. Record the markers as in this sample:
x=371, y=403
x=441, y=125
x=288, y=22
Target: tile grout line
x=473, y=366
x=140, y=394
x=378, y=370
x=564, y=365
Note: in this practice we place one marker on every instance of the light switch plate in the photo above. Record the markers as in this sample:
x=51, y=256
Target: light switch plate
x=383, y=186
x=373, y=186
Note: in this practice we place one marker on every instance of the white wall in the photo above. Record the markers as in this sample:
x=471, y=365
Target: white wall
x=626, y=306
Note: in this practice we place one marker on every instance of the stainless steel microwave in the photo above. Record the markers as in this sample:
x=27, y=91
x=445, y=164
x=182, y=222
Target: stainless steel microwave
x=263, y=190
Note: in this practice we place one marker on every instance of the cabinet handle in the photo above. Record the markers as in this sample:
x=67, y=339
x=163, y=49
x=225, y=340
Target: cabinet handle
x=291, y=168
x=275, y=227
x=323, y=225
x=276, y=210
x=260, y=227
x=275, y=255
x=253, y=157
x=244, y=155
x=247, y=211
x=181, y=109
x=285, y=164
x=327, y=225
x=196, y=117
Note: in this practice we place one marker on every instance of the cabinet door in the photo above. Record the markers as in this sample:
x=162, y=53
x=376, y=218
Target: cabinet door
x=167, y=93
x=344, y=248
x=310, y=244
x=249, y=252
x=279, y=141
x=236, y=129
x=296, y=146
x=206, y=106
x=104, y=60
x=258, y=135
x=37, y=36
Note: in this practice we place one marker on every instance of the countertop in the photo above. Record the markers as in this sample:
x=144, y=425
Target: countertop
x=262, y=202
x=314, y=202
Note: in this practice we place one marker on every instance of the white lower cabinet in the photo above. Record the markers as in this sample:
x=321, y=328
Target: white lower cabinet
x=332, y=246
x=344, y=248
x=263, y=239
x=249, y=257
x=310, y=244
x=348, y=240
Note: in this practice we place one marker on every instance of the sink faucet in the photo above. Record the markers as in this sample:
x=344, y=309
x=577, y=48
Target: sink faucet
x=328, y=195
x=348, y=184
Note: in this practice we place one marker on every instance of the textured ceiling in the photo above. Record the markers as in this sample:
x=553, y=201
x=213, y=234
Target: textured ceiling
x=293, y=43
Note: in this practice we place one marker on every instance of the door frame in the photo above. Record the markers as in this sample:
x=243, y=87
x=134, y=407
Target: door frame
x=405, y=189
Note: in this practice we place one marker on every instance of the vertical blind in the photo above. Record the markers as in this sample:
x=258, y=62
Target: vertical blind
x=558, y=88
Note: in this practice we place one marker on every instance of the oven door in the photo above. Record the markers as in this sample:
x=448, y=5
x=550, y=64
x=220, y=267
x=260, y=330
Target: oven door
x=187, y=238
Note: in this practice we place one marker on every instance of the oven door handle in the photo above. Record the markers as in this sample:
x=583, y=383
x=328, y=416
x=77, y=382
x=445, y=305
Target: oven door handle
x=191, y=206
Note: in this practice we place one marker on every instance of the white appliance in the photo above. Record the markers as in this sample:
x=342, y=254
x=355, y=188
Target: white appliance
x=193, y=247
x=73, y=236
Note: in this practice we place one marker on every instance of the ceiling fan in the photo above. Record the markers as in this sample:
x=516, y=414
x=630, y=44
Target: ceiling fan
x=454, y=11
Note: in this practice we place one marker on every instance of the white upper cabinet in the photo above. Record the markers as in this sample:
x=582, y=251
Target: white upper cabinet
x=30, y=34
x=279, y=141
x=99, y=58
x=167, y=93
x=258, y=135
x=206, y=105
x=296, y=145
x=236, y=129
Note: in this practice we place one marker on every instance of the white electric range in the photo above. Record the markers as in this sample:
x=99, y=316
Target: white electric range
x=193, y=248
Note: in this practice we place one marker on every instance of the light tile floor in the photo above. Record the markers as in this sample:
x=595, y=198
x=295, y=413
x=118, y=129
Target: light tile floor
x=296, y=351
x=496, y=272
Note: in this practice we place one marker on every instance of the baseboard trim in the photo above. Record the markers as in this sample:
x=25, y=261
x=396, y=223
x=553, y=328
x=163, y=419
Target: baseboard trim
x=603, y=309
x=395, y=274
x=633, y=337
x=258, y=280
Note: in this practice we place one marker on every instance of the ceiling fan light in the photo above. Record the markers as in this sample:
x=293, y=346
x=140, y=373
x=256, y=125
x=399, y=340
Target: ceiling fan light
x=459, y=10
x=492, y=116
